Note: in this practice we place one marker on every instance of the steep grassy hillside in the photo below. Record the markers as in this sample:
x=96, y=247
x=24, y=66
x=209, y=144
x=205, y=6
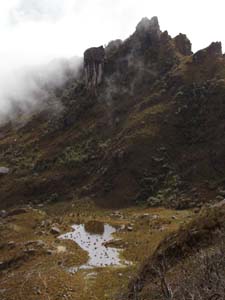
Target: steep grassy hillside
x=188, y=264
x=153, y=131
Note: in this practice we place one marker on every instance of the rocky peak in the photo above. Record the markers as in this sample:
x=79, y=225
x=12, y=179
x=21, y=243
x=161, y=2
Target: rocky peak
x=215, y=49
x=212, y=51
x=113, y=46
x=93, y=66
x=183, y=44
x=149, y=26
x=165, y=37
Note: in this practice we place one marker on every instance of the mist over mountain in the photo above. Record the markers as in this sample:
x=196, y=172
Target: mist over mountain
x=29, y=89
x=36, y=32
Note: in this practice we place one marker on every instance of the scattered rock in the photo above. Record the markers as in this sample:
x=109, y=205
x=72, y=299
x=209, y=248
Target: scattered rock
x=158, y=159
x=154, y=217
x=11, y=244
x=3, y=213
x=197, y=210
x=220, y=204
x=123, y=227
x=129, y=228
x=30, y=251
x=37, y=243
x=4, y=170
x=117, y=214
x=17, y=211
x=212, y=185
x=219, y=197
x=45, y=223
x=114, y=243
x=55, y=230
x=144, y=216
x=153, y=201
x=37, y=290
x=2, y=265
x=61, y=249
x=53, y=198
x=222, y=193
x=49, y=252
x=161, y=228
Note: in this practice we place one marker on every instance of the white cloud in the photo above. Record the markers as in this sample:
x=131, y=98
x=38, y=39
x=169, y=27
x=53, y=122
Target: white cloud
x=43, y=29
x=37, y=10
x=36, y=31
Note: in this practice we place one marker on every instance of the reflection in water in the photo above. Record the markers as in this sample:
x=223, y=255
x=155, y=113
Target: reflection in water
x=93, y=243
x=94, y=227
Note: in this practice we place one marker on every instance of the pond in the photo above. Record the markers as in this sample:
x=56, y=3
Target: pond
x=92, y=237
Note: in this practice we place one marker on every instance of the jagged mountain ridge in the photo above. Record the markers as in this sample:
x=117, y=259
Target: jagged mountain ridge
x=153, y=131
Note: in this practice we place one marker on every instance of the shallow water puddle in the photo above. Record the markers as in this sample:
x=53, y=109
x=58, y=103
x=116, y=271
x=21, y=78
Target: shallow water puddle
x=91, y=238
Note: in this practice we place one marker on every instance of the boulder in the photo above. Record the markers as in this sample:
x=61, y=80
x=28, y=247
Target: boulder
x=129, y=228
x=3, y=214
x=17, y=211
x=55, y=230
x=11, y=244
x=4, y=170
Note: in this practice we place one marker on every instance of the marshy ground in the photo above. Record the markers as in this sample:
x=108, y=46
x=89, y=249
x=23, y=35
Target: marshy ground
x=34, y=262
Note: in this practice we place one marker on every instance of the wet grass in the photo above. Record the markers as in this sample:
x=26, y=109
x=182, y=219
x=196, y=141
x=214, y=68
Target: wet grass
x=44, y=273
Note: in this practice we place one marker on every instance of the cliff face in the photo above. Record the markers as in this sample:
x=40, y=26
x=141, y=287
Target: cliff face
x=183, y=44
x=153, y=131
x=93, y=66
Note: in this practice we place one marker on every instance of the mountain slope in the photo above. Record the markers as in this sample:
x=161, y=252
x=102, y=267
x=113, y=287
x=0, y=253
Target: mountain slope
x=187, y=264
x=154, y=131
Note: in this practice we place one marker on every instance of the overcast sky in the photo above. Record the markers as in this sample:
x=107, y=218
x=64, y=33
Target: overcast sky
x=33, y=31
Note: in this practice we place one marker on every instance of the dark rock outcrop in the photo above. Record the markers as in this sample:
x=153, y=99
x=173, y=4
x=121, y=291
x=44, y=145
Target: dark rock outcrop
x=183, y=44
x=149, y=26
x=93, y=65
x=146, y=35
x=214, y=50
x=113, y=46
